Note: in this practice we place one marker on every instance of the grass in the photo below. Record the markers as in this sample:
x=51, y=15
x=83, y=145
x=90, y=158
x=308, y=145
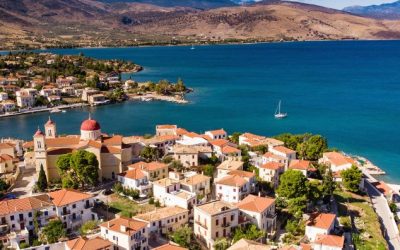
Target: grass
x=369, y=235
x=127, y=208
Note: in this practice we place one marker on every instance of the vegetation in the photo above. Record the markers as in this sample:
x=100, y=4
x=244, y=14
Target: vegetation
x=352, y=178
x=78, y=167
x=127, y=208
x=235, y=137
x=53, y=231
x=3, y=186
x=177, y=166
x=221, y=244
x=150, y=154
x=182, y=236
x=118, y=188
x=88, y=226
x=23, y=245
x=249, y=232
x=308, y=146
x=42, y=180
x=209, y=170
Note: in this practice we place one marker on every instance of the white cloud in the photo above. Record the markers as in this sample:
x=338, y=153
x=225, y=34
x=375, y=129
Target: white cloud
x=340, y=4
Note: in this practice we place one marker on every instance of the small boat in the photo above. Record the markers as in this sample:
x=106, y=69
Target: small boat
x=146, y=99
x=55, y=110
x=64, y=111
x=278, y=114
x=192, y=48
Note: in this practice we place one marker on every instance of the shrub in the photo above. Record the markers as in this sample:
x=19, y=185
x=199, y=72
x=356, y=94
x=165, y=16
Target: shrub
x=23, y=245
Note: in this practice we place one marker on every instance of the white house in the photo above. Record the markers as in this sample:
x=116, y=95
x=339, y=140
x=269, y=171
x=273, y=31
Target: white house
x=227, y=166
x=302, y=165
x=126, y=233
x=3, y=96
x=235, y=186
x=95, y=243
x=26, y=97
x=337, y=161
x=253, y=140
x=135, y=179
x=8, y=106
x=284, y=152
x=271, y=171
x=319, y=223
x=163, y=221
x=169, y=193
x=328, y=242
x=73, y=207
x=259, y=211
x=217, y=134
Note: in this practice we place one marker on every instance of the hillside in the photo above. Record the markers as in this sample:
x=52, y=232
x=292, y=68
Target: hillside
x=383, y=11
x=198, y=4
x=63, y=23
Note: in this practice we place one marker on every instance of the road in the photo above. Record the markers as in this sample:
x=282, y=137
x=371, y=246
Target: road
x=385, y=215
x=24, y=183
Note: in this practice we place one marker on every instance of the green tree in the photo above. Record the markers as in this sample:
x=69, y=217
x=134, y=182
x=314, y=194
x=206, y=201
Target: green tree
x=352, y=178
x=292, y=184
x=42, y=180
x=88, y=226
x=296, y=206
x=182, y=236
x=209, y=170
x=221, y=244
x=249, y=232
x=53, y=231
x=328, y=183
x=180, y=86
x=63, y=164
x=177, y=166
x=235, y=137
x=149, y=153
x=36, y=223
x=3, y=186
x=315, y=190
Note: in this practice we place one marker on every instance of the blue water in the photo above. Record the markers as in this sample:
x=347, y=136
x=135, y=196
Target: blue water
x=346, y=91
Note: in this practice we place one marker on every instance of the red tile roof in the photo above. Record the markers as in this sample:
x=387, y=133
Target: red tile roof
x=66, y=196
x=135, y=174
x=232, y=180
x=24, y=204
x=88, y=244
x=273, y=165
x=126, y=226
x=321, y=220
x=330, y=240
x=169, y=247
x=255, y=203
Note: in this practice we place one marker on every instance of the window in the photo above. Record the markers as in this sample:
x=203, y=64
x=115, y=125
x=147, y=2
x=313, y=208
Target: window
x=232, y=217
x=144, y=230
x=216, y=235
x=106, y=231
x=46, y=213
x=74, y=206
x=217, y=222
x=30, y=223
x=30, y=214
x=12, y=217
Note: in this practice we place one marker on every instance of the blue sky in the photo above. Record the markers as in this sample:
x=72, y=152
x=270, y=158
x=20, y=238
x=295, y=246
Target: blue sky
x=340, y=4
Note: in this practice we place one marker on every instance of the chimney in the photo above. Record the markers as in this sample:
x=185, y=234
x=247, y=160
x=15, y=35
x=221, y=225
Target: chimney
x=108, y=224
x=259, y=194
x=123, y=228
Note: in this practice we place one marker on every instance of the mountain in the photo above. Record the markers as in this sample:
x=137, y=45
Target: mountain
x=383, y=11
x=197, y=4
x=63, y=23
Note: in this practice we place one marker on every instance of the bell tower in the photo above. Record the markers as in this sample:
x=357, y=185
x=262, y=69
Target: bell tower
x=39, y=148
x=50, y=129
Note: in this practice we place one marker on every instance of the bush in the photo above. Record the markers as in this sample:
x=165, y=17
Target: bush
x=151, y=201
x=393, y=207
x=346, y=223
x=36, y=243
x=23, y=245
x=118, y=187
x=157, y=203
x=87, y=227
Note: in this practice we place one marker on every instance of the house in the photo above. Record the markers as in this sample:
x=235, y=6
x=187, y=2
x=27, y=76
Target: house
x=284, y=152
x=8, y=149
x=164, y=143
x=196, y=183
x=192, y=141
x=3, y=96
x=135, y=179
x=235, y=186
x=7, y=106
x=248, y=245
x=169, y=193
x=6, y=163
x=166, y=130
x=271, y=171
x=54, y=98
x=163, y=221
x=153, y=170
x=26, y=98
x=214, y=220
x=18, y=214
x=217, y=134
x=227, y=166
x=81, y=243
x=319, y=223
x=259, y=211
x=87, y=92
x=170, y=246
x=336, y=161
x=97, y=99
x=270, y=157
x=253, y=140
x=126, y=233
x=68, y=91
x=188, y=156
x=303, y=166
x=73, y=207
x=328, y=242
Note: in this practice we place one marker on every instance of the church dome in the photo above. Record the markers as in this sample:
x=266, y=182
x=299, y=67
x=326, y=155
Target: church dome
x=90, y=125
x=38, y=133
x=49, y=122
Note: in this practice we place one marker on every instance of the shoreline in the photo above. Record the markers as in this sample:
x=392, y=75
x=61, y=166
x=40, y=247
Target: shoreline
x=41, y=110
x=155, y=97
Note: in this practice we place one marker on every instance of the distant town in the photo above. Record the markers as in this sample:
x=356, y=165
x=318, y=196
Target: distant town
x=45, y=82
x=178, y=189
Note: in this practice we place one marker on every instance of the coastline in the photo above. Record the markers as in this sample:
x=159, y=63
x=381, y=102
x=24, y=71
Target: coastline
x=40, y=110
x=155, y=97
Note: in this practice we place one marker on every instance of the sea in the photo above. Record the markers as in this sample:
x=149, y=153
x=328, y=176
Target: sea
x=347, y=91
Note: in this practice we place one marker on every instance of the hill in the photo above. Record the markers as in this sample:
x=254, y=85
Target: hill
x=198, y=4
x=65, y=23
x=383, y=11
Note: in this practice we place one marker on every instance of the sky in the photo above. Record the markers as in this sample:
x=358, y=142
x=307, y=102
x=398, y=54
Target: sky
x=340, y=4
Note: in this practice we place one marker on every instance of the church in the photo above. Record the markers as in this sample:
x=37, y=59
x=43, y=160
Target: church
x=112, y=154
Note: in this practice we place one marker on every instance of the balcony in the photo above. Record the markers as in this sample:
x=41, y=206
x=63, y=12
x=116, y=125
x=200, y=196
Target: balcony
x=226, y=224
x=67, y=212
x=87, y=206
x=21, y=220
x=201, y=224
x=271, y=216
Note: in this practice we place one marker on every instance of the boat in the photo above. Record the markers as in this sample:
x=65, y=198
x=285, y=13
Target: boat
x=55, y=110
x=64, y=111
x=146, y=99
x=278, y=114
x=192, y=48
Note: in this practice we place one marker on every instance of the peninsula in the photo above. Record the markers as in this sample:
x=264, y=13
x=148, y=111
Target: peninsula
x=39, y=82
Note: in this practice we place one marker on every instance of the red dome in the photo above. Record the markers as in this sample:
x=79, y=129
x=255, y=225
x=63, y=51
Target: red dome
x=38, y=133
x=49, y=122
x=90, y=125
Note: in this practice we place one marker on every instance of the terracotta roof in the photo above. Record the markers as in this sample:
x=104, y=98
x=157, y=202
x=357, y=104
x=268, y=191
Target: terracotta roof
x=321, y=220
x=219, y=142
x=272, y=165
x=24, y=204
x=330, y=240
x=62, y=141
x=242, y=173
x=245, y=244
x=59, y=151
x=231, y=165
x=111, y=150
x=165, y=182
x=196, y=179
x=192, y=134
x=383, y=188
x=66, y=196
x=166, y=126
x=338, y=159
x=161, y=213
x=126, y=226
x=115, y=140
x=49, y=122
x=251, y=136
x=217, y=132
x=181, y=131
x=304, y=246
x=230, y=150
x=169, y=246
x=215, y=207
x=151, y=166
x=90, y=125
x=135, y=173
x=232, y=180
x=38, y=133
x=255, y=203
x=88, y=244
x=284, y=150
x=6, y=145
x=299, y=164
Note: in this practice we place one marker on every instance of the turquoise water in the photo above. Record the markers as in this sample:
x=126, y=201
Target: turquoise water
x=347, y=91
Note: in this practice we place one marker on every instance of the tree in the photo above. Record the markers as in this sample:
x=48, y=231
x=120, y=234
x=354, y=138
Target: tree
x=3, y=186
x=352, y=179
x=249, y=232
x=221, y=244
x=177, y=166
x=149, y=153
x=78, y=167
x=315, y=190
x=292, y=184
x=328, y=183
x=36, y=224
x=209, y=170
x=235, y=137
x=182, y=236
x=87, y=227
x=53, y=231
x=42, y=180
x=296, y=206
x=180, y=86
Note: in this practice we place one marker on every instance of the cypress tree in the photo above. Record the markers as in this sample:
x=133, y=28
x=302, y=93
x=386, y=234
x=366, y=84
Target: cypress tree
x=42, y=180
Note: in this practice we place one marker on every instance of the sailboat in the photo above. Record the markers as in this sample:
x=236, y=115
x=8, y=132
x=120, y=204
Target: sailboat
x=192, y=48
x=278, y=114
